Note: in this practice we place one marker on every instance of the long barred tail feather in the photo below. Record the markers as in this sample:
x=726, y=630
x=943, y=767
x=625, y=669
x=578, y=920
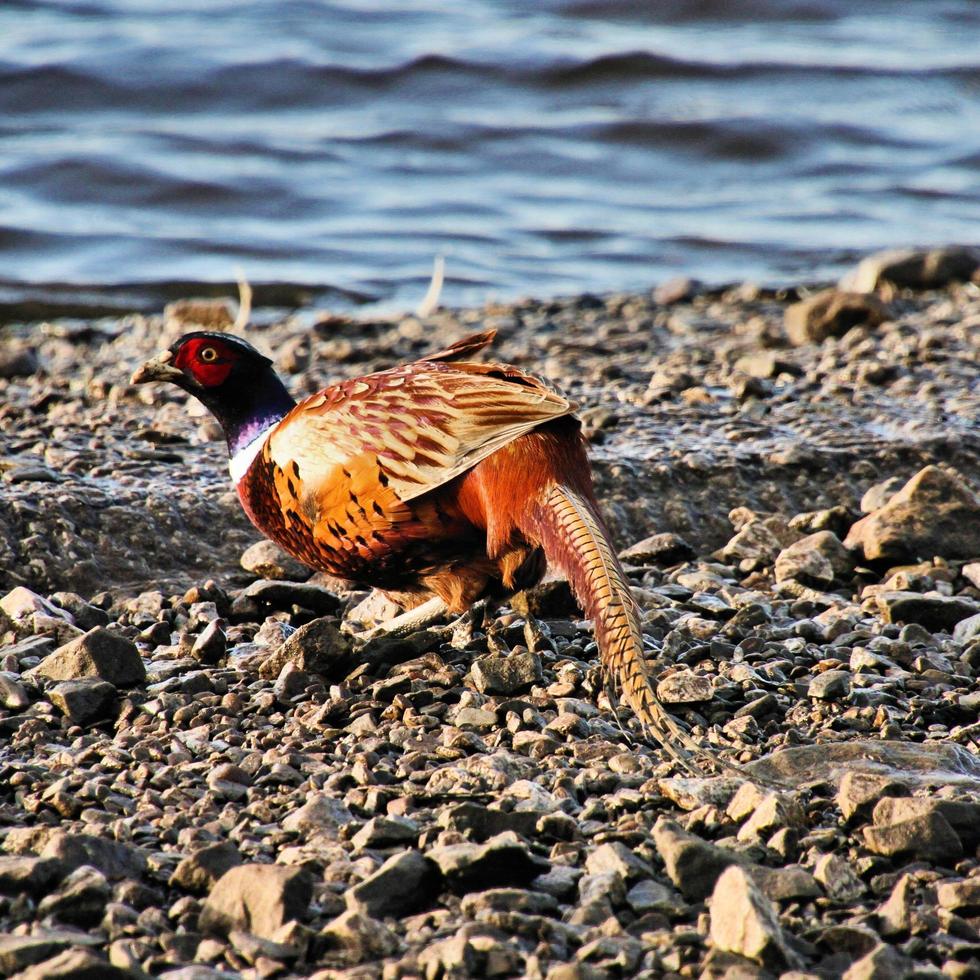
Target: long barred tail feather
x=571, y=532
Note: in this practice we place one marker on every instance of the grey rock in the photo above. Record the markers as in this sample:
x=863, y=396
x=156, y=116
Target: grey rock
x=648, y=895
x=79, y=964
x=788, y=884
x=931, y=610
x=17, y=361
x=967, y=630
x=693, y=864
x=13, y=695
x=198, y=872
x=895, y=914
x=830, y=313
x=831, y=685
x=317, y=648
x=618, y=858
x=962, y=815
x=503, y=861
x=98, y=653
x=27, y=873
x=20, y=952
x=962, y=897
x=875, y=497
x=818, y=559
x=838, y=878
x=914, y=268
x=284, y=595
x=478, y=719
x=113, y=858
x=80, y=900
x=685, y=687
x=267, y=560
x=290, y=684
x=773, y=812
x=386, y=832
x=882, y=963
x=211, y=643
x=744, y=922
x=480, y=822
x=507, y=675
x=860, y=791
x=925, y=833
x=84, y=700
x=936, y=513
x=321, y=813
x=658, y=549
x=360, y=937
x=259, y=898
x=405, y=883
x=508, y=900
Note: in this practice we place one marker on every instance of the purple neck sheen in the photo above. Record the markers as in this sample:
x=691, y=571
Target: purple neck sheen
x=248, y=409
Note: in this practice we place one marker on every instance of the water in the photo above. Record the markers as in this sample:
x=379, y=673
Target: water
x=544, y=148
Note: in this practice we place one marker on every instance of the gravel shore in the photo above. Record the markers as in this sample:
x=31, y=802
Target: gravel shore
x=204, y=773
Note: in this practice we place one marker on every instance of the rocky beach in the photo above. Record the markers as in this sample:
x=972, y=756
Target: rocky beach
x=205, y=773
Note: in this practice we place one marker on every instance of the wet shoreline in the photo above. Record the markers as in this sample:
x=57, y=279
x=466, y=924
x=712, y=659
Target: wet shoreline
x=200, y=767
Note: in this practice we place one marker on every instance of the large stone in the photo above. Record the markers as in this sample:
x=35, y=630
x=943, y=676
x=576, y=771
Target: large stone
x=926, y=834
x=360, y=937
x=83, y=700
x=80, y=900
x=936, y=513
x=860, y=791
x=818, y=559
x=658, y=549
x=198, y=872
x=320, y=814
x=914, y=268
x=78, y=964
x=317, y=648
x=933, y=611
x=503, y=861
x=27, y=873
x=19, y=952
x=259, y=898
x=267, y=560
x=830, y=313
x=962, y=897
x=405, y=883
x=507, y=675
x=744, y=922
x=98, y=653
x=693, y=864
x=882, y=963
x=685, y=687
x=113, y=858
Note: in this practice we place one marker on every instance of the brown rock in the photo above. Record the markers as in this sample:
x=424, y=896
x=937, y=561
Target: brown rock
x=198, y=872
x=914, y=268
x=317, y=648
x=931, y=610
x=936, y=513
x=259, y=898
x=830, y=313
x=98, y=653
x=267, y=560
x=744, y=922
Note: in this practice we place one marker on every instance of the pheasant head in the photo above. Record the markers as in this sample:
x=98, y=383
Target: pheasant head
x=230, y=378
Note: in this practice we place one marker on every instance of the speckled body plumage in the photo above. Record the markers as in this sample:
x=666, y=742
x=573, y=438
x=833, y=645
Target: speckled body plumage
x=442, y=477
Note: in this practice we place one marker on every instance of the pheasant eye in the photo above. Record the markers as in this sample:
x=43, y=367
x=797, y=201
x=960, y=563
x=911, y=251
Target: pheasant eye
x=208, y=354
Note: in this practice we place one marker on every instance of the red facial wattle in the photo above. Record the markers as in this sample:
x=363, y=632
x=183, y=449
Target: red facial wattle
x=208, y=362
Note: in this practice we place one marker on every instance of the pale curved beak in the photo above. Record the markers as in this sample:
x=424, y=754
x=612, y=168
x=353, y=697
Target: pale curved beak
x=158, y=368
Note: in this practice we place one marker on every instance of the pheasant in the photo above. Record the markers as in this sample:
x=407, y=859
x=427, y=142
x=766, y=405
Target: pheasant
x=443, y=480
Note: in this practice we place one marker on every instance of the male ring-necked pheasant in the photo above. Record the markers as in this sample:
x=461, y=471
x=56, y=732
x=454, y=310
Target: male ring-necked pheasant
x=442, y=479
